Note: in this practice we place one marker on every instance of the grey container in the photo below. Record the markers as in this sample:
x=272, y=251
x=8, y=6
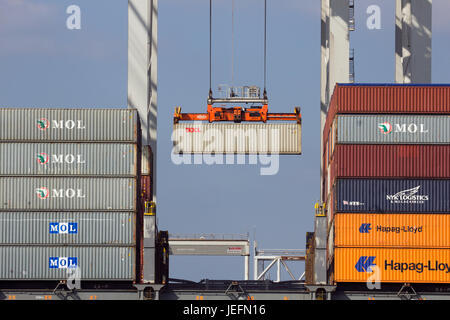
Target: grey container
x=392, y=129
x=50, y=263
x=68, y=228
x=67, y=194
x=107, y=125
x=237, y=138
x=94, y=159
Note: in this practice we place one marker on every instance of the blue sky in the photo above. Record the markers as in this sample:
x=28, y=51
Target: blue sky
x=43, y=63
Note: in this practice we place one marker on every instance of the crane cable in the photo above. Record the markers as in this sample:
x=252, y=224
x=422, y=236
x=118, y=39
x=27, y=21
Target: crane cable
x=232, y=54
x=265, y=48
x=210, y=49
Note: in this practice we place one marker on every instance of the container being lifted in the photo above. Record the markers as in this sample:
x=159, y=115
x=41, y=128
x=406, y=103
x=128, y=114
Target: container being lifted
x=238, y=129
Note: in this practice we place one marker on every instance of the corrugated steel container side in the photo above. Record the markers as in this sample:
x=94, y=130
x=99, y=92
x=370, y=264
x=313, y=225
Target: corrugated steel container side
x=94, y=263
x=392, y=196
x=392, y=129
x=392, y=265
x=54, y=194
x=237, y=138
x=68, y=228
x=389, y=161
x=392, y=230
x=108, y=159
x=69, y=125
x=392, y=99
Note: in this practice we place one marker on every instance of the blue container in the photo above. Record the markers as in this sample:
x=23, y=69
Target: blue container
x=392, y=195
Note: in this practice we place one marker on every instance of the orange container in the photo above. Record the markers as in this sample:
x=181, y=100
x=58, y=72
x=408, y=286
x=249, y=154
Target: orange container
x=392, y=230
x=392, y=265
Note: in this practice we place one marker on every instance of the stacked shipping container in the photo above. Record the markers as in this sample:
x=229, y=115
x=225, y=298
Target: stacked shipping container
x=68, y=194
x=386, y=183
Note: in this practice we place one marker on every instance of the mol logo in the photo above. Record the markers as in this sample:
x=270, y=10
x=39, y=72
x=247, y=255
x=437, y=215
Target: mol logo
x=62, y=262
x=44, y=193
x=365, y=264
x=387, y=128
x=63, y=228
x=365, y=228
x=43, y=124
x=43, y=158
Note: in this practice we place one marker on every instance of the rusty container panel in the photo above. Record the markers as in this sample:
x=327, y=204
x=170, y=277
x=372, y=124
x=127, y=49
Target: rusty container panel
x=389, y=161
x=392, y=196
x=392, y=230
x=392, y=265
x=237, y=138
x=76, y=125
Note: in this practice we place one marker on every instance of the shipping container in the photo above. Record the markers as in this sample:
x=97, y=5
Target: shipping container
x=67, y=194
x=392, y=265
x=107, y=159
x=68, y=228
x=387, y=99
x=61, y=262
x=392, y=196
x=108, y=125
x=237, y=138
x=389, y=161
x=392, y=230
x=390, y=98
x=391, y=129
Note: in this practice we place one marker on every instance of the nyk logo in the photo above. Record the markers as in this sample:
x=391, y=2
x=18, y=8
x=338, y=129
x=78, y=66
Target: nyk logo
x=63, y=228
x=408, y=196
x=387, y=128
x=365, y=264
x=62, y=262
x=365, y=228
x=44, y=193
x=43, y=124
x=44, y=158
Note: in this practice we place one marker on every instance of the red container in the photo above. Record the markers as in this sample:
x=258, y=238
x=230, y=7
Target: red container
x=388, y=99
x=390, y=161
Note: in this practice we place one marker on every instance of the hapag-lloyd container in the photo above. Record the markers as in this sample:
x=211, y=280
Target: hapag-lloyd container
x=68, y=228
x=237, y=138
x=387, y=98
x=67, y=194
x=392, y=230
x=76, y=125
x=392, y=196
x=389, y=161
x=392, y=129
x=94, y=159
x=392, y=265
x=59, y=262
